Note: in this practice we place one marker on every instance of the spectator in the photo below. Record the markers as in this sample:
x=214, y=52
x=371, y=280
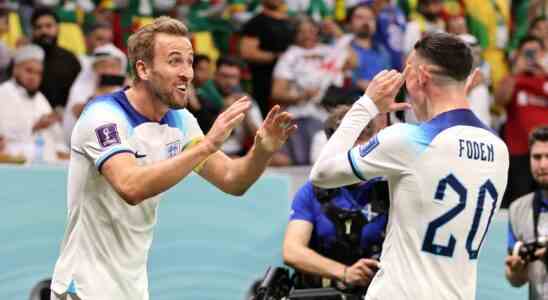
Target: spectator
x=528, y=223
x=108, y=67
x=539, y=29
x=5, y=53
x=318, y=243
x=264, y=38
x=298, y=84
x=60, y=66
x=202, y=70
x=218, y=94
x=524, y=95
x=372, y=57
x=426, y=19
x=391, y=26
x=25, y=114
x=479, y=96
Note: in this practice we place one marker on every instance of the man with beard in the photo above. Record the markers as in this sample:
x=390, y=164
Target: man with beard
x=60, y=66
x=372, y=57
x=25, y=113
x=264, y=38
x=529, y=222
x=131, y=146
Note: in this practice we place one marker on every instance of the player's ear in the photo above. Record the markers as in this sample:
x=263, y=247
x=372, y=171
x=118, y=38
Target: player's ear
x=142, y=70
x=423, y=75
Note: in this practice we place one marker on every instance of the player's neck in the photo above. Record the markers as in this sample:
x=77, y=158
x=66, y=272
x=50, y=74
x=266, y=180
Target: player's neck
x=142, y=101
x=445, y=100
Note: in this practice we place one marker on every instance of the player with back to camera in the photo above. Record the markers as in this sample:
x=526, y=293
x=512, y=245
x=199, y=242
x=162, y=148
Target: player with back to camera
x=446, y=175
x=130, y=146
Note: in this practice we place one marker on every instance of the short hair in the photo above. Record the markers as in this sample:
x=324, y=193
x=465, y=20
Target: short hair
x=141, y=43
x=537, y=20
x=351, y=11
x=530, y=38
x=448, y=52
x=229, y=61
x=198, y=58
x=539, y=134
x=40, y=12
x=95, y=25
x=334, y=119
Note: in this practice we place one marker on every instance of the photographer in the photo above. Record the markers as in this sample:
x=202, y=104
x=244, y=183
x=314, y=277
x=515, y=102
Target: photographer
x=326, y=244
x=525, y=97
x=527, y=261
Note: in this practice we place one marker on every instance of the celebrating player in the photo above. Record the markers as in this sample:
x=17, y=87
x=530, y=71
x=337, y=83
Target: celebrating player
x=130, y=146
x=448, y=173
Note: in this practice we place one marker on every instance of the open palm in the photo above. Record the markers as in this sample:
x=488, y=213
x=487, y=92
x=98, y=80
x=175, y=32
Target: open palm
x=275, y=130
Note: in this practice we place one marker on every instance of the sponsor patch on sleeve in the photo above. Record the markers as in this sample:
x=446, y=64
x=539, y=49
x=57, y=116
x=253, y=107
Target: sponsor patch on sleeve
x=365, y=149
x=108, y=135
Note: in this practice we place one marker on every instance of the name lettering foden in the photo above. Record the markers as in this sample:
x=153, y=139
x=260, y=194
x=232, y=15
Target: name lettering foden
x=476, y=150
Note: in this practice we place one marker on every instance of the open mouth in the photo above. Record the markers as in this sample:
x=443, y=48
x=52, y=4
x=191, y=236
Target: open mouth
x=182, y=88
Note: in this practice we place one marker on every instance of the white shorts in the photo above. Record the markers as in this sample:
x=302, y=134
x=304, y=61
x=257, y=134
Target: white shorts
x=64, y=296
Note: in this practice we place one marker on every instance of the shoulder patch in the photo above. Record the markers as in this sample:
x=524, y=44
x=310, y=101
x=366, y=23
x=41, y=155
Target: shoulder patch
x=365, y=149
x=108, y=135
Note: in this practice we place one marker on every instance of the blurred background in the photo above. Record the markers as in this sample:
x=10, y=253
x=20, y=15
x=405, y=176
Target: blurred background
x=307, y=55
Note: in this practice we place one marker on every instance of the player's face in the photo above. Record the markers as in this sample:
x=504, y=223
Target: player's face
x=414, y=85
x=539, y=163
x=171, y=72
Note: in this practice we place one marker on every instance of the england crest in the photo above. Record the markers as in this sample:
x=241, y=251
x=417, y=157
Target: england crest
x=174, y=148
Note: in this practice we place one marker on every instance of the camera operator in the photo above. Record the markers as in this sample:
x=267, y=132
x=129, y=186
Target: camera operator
x=334, y=236
x=528, y=228
x=525, y=97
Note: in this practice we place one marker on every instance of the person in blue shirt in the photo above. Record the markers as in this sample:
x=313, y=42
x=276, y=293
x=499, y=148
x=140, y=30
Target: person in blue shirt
x=372, y=56
x=336, y=251
x=391, y=24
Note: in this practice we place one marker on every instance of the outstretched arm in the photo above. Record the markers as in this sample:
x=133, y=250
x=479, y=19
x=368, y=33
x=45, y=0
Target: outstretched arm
x=332, y=169
x=235, y=176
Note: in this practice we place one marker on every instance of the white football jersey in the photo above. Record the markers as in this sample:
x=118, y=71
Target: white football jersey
x=105, y=249
x=446, y=178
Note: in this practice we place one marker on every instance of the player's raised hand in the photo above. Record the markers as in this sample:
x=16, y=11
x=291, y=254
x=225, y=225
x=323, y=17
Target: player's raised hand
x=383, y=89
x=227, y=121
x=361, y=272
x=275, y=130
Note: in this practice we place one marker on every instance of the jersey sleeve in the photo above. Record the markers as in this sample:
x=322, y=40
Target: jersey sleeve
x=101, y=132
x=302, y=206
x=387, y=154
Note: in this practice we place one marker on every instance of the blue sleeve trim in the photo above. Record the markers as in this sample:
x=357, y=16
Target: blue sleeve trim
x=511, y=236
x=108, y=154
x=354, y=167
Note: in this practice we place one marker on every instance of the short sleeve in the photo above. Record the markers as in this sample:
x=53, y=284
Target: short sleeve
x=192, y=130
x=302, y=206
x=252, y=28
x=102, y=132
x=283, y=68
x=387, y=154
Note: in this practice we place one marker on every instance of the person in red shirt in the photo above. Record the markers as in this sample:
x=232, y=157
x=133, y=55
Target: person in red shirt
x=524, y=94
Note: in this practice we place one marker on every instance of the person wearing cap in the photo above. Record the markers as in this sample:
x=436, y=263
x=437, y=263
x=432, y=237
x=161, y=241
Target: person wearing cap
x=25, y=113
x=108, y=65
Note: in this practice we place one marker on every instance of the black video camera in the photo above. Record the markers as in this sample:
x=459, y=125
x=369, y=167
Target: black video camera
x=275, y=285
x=527, y=250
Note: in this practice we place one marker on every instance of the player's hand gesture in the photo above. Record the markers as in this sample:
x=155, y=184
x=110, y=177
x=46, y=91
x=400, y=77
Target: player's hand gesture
x=361, y=272
x=227, y=121
x=383, y=89
x=275, y=130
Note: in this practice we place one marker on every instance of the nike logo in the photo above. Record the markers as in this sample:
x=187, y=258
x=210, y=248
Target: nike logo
x=139, y=155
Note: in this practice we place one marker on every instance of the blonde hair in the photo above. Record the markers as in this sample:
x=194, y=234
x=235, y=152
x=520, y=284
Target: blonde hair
x=141, y=43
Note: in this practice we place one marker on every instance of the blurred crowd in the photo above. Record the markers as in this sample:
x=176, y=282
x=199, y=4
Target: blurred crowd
x=307, y=55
